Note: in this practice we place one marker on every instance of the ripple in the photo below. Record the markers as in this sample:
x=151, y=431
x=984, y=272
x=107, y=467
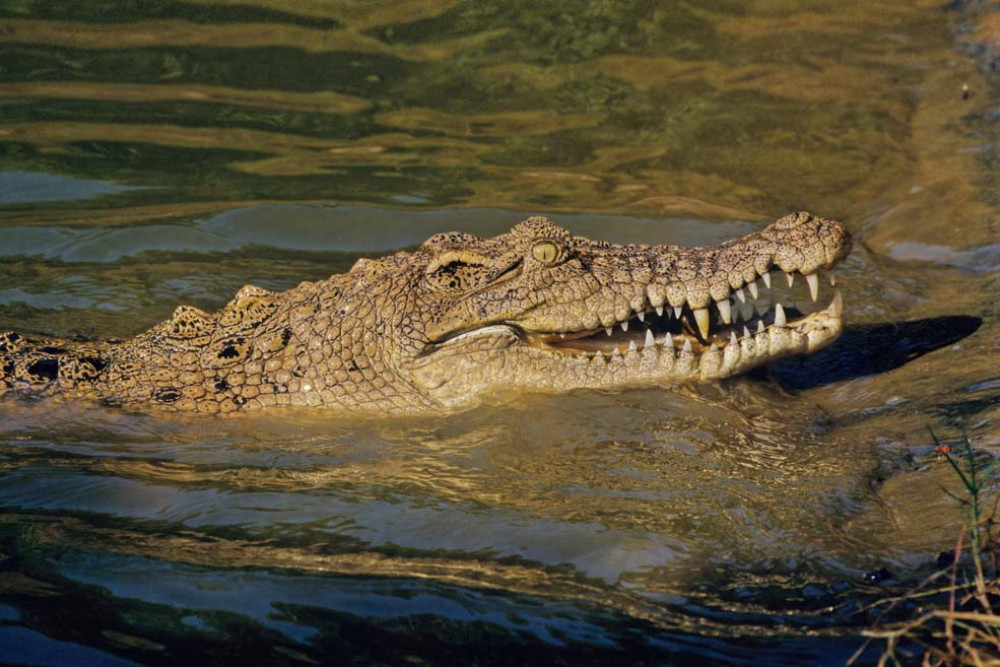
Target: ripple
x=21, y=187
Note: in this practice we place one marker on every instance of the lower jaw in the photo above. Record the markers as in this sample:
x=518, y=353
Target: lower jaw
x=685, y=357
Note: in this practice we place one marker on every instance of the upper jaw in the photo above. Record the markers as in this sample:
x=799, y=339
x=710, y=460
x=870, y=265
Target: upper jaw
x=744, y=316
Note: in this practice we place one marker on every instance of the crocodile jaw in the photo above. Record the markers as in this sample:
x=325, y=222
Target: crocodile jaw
x=505, y=356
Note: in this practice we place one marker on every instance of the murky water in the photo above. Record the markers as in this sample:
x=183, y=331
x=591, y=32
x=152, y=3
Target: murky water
x=153, y=154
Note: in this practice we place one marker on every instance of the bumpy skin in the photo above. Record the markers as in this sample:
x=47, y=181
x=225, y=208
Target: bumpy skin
x=433, y=329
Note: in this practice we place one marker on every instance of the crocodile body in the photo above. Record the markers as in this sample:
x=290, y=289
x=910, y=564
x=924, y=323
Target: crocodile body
x=535, y=309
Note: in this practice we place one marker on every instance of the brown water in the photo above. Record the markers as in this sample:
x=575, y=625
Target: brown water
x=158, y=153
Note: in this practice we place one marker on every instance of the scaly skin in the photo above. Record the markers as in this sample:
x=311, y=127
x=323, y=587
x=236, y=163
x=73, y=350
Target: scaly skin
x=433, y=329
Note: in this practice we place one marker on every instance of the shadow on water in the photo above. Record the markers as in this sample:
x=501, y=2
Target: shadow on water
x=870, y=349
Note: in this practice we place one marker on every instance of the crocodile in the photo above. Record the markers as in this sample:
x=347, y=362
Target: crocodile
x=534, y=309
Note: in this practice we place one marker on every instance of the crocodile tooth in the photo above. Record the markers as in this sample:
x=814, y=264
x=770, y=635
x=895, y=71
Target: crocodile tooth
x=598, y=355
x=779, y=315
x=668, y=340
x=829, y=276
x=746, y=332
x=725, y=311
x=687, y=345
x=766, y=277
x=732, y=338
x=607, y=330
x=677, y=311
x=813, y=281
x=752, y=286
x=741, y=296
x=624, y=325
x=760, y=326
x=641, y=315
x=631, y=346
x=791, y=278
x=837, y=305
x=615, y=352
x=649, y=338
x=659, y=311
x=701, y=318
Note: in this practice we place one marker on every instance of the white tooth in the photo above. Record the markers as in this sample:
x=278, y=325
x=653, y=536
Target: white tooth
x=659, y=311
x=701, y=318
x=829, y=276
x=631, y=345
x=624, y=325
x=607, y=330
x=615, y=352
x=668, y=340
x=598, y=355
x=813, y=281
x=732, y=338
x=779, y=315
x=766, y=277
x=725, y=311
x=687, y=345
x=752, y=286
x=760, y=326
x=741, y=296
x=791, y=278
x=677, y=311
x=649, y=338
x=641, y=315
x=746, y=332
x=837, y=305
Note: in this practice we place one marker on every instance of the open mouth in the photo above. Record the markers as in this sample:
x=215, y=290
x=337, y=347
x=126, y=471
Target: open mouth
x=749, y=311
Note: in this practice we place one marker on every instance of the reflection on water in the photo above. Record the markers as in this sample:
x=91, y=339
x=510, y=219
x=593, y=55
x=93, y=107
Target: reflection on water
x=160, y=153
x=24, y=187
x=551, y=498
x=346, y=229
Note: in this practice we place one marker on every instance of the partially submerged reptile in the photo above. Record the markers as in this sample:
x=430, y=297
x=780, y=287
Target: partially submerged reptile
x=535, y=309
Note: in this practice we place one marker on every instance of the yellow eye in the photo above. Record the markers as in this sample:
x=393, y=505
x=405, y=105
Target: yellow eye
x=545, y=252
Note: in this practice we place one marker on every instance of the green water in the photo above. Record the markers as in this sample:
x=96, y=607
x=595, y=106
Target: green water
x=159, y=153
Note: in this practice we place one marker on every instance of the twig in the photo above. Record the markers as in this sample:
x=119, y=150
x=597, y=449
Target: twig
x=948, y=628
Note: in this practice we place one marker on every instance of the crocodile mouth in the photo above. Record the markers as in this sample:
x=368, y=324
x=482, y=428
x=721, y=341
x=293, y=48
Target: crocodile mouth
x=734, y=321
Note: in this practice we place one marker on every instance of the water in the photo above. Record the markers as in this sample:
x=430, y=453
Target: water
x=153, y=154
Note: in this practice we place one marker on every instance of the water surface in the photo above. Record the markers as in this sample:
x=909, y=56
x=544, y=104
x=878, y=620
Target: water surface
x=163, y=153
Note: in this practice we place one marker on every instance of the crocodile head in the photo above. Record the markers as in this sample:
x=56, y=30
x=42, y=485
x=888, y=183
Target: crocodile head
x=540, y=309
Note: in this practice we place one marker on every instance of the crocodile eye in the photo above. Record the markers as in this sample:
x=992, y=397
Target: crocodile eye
x=545, y=252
